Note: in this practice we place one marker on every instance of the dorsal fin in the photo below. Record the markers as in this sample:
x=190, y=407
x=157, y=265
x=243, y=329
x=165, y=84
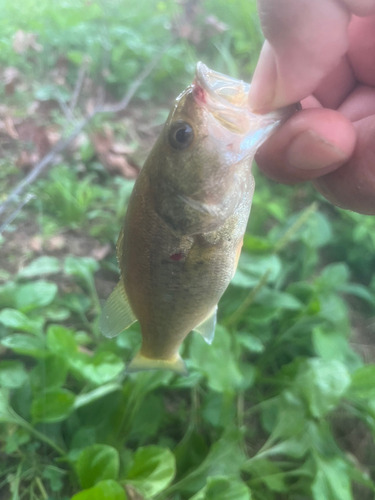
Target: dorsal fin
x=207, y=327
x=116, y=314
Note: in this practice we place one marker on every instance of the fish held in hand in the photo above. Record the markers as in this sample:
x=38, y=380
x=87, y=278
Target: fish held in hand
x=184, y=226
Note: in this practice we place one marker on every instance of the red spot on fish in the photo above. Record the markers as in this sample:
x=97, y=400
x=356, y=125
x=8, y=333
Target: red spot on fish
x=177, y=256
x=199, y=94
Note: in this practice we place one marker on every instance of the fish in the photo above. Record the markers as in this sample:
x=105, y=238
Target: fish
x=183, y=231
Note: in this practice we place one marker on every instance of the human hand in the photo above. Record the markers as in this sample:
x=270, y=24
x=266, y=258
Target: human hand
x=322, y=53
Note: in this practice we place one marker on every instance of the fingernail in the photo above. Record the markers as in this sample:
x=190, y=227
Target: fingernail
x=263, y=85
x=309, y=151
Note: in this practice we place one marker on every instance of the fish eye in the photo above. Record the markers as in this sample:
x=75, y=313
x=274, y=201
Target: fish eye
x=180, y=135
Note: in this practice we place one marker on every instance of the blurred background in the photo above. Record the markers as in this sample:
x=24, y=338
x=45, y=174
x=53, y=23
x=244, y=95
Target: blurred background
x=282, y=405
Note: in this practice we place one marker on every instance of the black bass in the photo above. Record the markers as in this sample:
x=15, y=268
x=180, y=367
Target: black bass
x=186, y=218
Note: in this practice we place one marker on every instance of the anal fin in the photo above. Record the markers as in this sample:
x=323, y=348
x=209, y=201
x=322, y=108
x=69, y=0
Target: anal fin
x=142, y=363
x=116, y=314
x=207, y=327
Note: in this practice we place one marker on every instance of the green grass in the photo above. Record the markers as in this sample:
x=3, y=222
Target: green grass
x=268, y=409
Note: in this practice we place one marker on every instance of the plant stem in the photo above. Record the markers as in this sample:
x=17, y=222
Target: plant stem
x=39, y=435
x=240, y=410
x=295, y=227
x=41, y=488
x=237, y=315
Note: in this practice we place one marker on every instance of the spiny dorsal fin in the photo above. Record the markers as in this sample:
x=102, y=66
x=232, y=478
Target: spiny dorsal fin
x=141, y=363
x=116, y=314
x=207, y=327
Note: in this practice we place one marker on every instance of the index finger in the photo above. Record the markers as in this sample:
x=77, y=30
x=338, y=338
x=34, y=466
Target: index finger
x=305, y=40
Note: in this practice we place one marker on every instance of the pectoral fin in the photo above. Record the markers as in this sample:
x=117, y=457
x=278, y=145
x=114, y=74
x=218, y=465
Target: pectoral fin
x=207, y=327
x=141, y=363
x=117, y=314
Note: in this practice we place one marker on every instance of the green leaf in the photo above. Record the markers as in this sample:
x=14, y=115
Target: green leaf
x=334, y=310
x=223, y=488
x=218, y=409
x=152, y=471
x=320, y=437
x=55, y=477
x=256, y=244
x=34, y=295
x=12, y=374
x=97, y=463
x=7, y=415
x=84, y=437
x=317, y=231
x=333, y=345
x=49, y=91
x=268, y=473
x=25, y=344
x=250, y=342
x=145, y=426
x=252, y=267
x=334, y=276
x=277, y=299
x=50, y=373
x=359, y=291
x=83, y=268
x=12, y=318
x=78, y=303
x=75, y=56
x=61, y=341
x=52, y=406
x=190, y=452
x=105, y=490
x=15, y=440
x=98, y=369
x=208, y=359
x=226, y=457
x=290, y=408
x=295, y=447
x=322, y=384
x=40, y=267
x=332, y=480
x=363, y=383
x=80, y=266
x=7, y=294
x=260, y=315
x=55, y=313
x=244, y=280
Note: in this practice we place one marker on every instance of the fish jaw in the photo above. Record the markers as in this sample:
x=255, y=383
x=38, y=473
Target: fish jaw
x=229, y=116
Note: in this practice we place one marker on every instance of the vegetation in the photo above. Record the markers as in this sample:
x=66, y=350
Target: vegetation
x=282, y=405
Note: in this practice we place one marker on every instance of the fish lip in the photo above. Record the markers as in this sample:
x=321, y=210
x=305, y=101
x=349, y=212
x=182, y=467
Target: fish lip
x=226, y=98
x=219, y=88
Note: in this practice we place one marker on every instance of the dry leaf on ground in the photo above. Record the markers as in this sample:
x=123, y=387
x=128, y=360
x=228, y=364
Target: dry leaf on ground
x=38, y=141
x=9, y=127
x=10, y=77
x=101, y=252
x=113, y=154
x=23, y=41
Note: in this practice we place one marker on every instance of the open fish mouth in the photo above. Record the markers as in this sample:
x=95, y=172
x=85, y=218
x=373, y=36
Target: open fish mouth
x=226, y=99
x=222, y=89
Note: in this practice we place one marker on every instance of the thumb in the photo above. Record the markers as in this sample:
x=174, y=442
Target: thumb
x=305, y=40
